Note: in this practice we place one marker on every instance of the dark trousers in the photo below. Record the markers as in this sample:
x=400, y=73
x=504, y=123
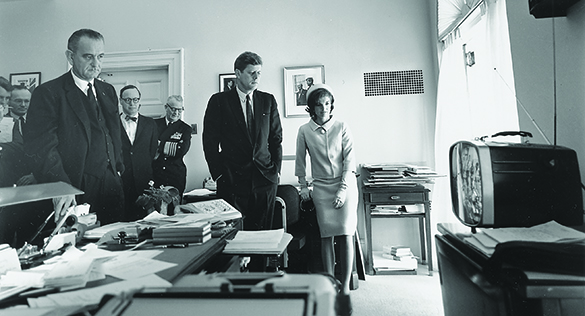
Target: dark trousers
x=105, y=195
x=254, y=196
x=251, y=194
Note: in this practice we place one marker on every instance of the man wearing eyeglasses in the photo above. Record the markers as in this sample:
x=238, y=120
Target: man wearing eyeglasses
x=73, y=132
x=139, y=142
x=174, y=140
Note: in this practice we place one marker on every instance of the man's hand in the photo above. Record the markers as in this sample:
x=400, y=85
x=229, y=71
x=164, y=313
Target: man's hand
x=61, y=205
x=26, y=180
x=305, y=194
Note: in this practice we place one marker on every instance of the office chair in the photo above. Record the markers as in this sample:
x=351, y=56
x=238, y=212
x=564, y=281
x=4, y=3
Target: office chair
x=287, y=215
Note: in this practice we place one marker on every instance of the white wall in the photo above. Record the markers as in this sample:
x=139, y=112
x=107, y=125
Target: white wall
x=348, y=37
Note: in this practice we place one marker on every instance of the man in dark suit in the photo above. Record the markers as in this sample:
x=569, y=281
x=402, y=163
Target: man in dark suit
x=174, y=141
x=139, y=142
x=73, y=132
x=17, y=166
x=242, y=138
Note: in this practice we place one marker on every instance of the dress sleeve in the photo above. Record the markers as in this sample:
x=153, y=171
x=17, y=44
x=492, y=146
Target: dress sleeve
x=348, y=156
x=301, y=154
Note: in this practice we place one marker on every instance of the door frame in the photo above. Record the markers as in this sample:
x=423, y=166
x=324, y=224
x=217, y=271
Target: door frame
x=170, y=59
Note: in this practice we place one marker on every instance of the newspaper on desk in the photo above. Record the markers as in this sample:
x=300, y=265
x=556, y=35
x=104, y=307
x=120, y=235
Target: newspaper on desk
x=218, y=208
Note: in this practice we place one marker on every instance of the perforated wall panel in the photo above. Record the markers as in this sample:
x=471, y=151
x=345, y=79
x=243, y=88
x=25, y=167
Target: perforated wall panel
x=393, y=82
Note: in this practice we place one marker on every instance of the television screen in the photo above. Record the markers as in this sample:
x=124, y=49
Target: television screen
x=498, y=184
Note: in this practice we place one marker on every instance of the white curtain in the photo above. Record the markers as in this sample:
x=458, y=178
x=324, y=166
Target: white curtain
x=451, y=13
x=472, y=101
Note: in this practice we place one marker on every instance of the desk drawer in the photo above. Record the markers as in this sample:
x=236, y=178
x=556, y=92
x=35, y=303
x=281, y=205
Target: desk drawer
x=398, y=197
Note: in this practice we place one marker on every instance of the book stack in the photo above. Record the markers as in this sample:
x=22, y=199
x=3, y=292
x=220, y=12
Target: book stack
x=405, y=175
x=395, y=259
x=419, y=172
x=182, y=233
x=400, y=253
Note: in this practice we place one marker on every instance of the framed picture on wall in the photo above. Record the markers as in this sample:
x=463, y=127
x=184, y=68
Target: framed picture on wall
x=297, y=81
x=227, y=82
x=31, y=80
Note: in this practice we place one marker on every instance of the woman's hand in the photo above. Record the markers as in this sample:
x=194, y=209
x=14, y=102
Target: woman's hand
x=305, y=194
x=339, y=198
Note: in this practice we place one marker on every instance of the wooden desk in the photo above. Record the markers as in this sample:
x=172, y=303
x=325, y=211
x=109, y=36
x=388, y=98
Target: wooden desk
x=470, y=286
x=193, y=258
x=398, y=195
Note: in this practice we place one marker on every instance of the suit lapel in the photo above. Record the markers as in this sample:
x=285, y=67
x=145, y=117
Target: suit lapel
x=139, y=127
x=74, y=96
x=258, y=111
x=236, y=108
x=103, y=101
x=125, y=138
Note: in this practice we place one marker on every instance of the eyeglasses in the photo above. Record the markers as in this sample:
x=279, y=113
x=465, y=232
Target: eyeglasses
x=172, y=109
x=128, y=100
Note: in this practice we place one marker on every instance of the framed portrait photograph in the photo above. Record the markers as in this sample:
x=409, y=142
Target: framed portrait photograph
x=297, y=81
x=31, y=80
x=227, y=82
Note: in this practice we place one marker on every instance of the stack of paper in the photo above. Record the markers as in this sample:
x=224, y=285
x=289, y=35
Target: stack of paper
x=9, y=263
x=382, y=263
x=199, y=192
x=402, y=175
x=551, y=232
x=70, y=274
x=400, y=258
x=259, y=241
x=8, y=259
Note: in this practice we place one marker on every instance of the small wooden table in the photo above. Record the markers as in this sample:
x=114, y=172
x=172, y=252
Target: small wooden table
x=398, y=195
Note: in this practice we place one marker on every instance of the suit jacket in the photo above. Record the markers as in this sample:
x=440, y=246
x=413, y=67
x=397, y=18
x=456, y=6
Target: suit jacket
x=138, y=156
x=57, y=134
x=174, y=143
x=224, y=127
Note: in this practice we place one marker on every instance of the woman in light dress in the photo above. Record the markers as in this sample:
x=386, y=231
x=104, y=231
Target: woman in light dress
x=335, y=195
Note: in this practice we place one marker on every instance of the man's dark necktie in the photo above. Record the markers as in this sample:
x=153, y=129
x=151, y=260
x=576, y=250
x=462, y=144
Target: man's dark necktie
x=131, y=118
x=17, y=130
x=22, y=123
x=92, y=100
x=249, y=116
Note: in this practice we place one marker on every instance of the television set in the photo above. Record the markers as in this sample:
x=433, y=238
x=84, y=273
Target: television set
x=501, y=184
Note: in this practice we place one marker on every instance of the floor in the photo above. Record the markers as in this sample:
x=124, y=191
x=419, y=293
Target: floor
x=402, y=295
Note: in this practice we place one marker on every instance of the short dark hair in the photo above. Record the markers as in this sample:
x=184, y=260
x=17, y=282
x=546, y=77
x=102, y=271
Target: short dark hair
x=245, y=59
x=77, y=35
x=20, y=87
x=314, y=97
x=128, y=87
x=5, y=84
